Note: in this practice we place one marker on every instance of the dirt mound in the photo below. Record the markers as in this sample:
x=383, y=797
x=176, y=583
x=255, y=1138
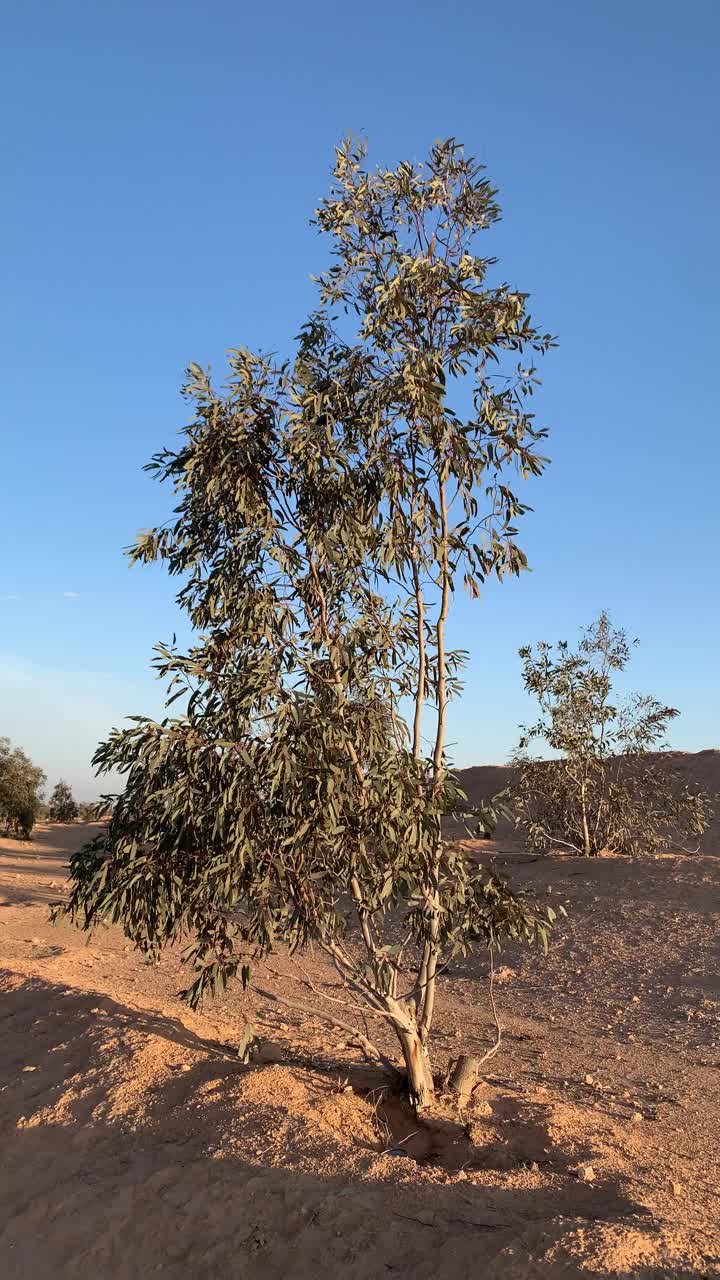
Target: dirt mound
x=699, y=768
x=134, y=1147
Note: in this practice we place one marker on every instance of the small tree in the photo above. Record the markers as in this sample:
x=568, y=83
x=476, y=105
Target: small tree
x=21, y=784
x=603, y=791
x=62, y=806
x=327, y=507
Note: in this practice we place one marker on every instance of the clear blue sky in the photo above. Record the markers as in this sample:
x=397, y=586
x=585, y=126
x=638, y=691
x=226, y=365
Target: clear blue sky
x=160, y=164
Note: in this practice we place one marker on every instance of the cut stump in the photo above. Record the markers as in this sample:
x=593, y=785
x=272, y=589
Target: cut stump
x=464, y=1077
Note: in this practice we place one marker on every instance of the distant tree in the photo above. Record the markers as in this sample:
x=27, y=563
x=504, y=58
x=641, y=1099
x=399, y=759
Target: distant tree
x=21, y=784
x=62, y=807
x=88, y=810
x=602, y=790
x=327, y=509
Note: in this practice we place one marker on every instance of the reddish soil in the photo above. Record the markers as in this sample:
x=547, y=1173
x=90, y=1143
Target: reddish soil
x=135, y=1141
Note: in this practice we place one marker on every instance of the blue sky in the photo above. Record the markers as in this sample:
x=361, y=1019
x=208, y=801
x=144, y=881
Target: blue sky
x=161, y=161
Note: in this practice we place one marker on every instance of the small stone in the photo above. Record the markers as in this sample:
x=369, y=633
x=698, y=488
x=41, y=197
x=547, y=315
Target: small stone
x=461, y=1176
x=589, y=1079
x=676, y=1189
x=586, y=1173
x=269, y=1053
x=637, y=1117
x=636, y=999
x=186, y=1066
x=29, y=1068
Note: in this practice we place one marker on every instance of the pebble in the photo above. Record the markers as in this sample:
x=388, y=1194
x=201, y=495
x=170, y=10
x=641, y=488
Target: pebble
x=637, y=1117
x=586, y=1173
x=589, y=1079
x=676, y=1189
x=268, y=1053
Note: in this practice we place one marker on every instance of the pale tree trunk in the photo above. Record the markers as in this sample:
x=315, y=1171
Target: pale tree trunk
x=428, y=969
x=587, y=842
x=417, y=1063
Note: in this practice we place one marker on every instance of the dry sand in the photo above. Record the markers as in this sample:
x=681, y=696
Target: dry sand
x=134, y=1142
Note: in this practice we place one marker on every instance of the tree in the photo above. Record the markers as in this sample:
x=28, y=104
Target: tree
x=328, y=506
x=62, y=806
x=21, y=784
x=89, y=811
x=603, y=790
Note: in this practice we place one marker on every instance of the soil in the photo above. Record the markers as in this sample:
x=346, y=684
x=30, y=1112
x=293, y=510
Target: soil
x=136, y=1141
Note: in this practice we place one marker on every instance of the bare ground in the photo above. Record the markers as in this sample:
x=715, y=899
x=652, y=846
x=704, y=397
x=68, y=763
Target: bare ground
x=135, y=1142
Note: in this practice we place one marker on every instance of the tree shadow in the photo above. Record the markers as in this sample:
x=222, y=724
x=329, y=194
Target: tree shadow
x=173, y=1180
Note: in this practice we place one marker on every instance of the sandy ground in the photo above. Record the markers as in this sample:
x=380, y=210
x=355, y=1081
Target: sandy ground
x=134, y=1141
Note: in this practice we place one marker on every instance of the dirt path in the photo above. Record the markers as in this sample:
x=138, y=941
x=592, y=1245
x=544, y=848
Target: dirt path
x=135, y=1143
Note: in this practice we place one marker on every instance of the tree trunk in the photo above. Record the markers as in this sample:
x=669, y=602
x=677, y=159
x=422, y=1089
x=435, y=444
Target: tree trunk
x=417, y=1063
x=464, y=1077
x=587, y=843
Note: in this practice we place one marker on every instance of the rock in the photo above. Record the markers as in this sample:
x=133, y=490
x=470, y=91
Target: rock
x=268, y=1053
x=586, y=1173
x=676, y=1189
x=636, y=999
x=589, y=1079
x=637, y=1117
x=461, y=1176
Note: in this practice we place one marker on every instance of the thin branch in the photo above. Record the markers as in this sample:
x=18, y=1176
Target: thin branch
x=498, y=1029
x=370, y=1050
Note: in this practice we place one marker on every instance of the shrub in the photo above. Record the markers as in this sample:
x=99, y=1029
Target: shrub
x=603, y=790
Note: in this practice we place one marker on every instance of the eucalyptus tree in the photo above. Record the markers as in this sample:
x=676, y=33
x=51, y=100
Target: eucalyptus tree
x=605, y=785
x=21, y=785
x=62, y=807
x=329, y=507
